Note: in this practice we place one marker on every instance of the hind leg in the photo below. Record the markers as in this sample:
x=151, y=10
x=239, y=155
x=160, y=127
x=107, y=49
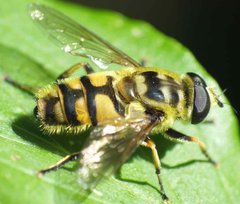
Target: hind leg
x=31, y=90
x=74, y=68
x=59, y=164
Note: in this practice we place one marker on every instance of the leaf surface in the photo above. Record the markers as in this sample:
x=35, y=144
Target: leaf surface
x=30, y=58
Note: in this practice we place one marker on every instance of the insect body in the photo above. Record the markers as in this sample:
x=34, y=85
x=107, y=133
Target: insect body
x=122, y=107
x=100, y=97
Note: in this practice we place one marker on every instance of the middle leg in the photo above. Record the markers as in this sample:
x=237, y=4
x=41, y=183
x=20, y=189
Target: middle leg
x=150, y=144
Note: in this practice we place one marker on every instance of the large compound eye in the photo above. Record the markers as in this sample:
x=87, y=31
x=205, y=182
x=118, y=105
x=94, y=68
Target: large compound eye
x=201, y=101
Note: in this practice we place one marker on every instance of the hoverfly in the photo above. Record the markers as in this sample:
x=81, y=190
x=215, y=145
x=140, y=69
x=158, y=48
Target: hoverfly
x=122, y=107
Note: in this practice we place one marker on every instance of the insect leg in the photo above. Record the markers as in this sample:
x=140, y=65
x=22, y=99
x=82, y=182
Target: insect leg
x=74, y=68
x=23, y=87
x=150, y=144
x=59, y=164
x=175, y=135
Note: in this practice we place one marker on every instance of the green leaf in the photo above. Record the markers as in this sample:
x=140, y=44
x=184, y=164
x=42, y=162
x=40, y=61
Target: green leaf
x=30, y=58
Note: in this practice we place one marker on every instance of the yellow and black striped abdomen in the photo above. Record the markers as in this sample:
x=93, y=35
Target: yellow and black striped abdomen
x=86, y=100
x=72, y=102
x=100, y=98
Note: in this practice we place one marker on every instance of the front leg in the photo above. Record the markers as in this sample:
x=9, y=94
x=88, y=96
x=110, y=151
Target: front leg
x=175, y=135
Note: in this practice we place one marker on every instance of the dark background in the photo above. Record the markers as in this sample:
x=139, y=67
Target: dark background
x=210, y=29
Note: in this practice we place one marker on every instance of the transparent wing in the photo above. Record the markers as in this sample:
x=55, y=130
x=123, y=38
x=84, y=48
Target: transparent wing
x=74, y=38
x=109, y=146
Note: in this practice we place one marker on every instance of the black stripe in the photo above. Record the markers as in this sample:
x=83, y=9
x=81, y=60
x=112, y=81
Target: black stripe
x=90, y=94
x=153, y=86
x=49, y=110
x=70, y=96
x=174, y=97
x=92, y=91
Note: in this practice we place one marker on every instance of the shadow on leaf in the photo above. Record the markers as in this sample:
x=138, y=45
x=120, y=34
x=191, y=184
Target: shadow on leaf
x=28, y=128
x=119, y=177
x=184, y=164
